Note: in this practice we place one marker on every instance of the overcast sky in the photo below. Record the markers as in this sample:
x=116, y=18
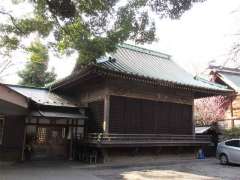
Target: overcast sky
x=206, y=32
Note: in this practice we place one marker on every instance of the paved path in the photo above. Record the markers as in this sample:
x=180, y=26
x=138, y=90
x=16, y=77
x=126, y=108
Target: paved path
x=181, y=170
x=191, y=170
x=45, y=171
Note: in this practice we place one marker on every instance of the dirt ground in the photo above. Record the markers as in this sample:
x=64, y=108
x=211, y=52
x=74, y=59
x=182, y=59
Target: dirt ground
x=190, y=169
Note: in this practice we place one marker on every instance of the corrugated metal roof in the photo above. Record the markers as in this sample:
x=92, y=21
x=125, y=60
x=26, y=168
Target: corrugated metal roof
x=139, y=61
x=58, y=114
x=43, y=96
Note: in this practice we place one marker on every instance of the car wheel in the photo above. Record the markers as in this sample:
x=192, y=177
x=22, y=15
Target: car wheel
x=223, y=159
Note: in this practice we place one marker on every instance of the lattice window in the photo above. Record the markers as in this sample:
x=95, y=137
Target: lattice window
x=42, y=135
x=1, y=128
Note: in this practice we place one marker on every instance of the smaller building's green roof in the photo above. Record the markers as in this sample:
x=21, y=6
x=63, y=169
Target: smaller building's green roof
x=42, y=96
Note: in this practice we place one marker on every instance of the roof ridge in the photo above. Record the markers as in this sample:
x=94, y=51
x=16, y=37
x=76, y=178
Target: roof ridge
x=23, y=86
x=144, y=50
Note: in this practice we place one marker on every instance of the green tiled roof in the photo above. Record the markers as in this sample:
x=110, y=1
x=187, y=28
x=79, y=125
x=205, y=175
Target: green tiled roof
x=142, y=62
x=135, y=63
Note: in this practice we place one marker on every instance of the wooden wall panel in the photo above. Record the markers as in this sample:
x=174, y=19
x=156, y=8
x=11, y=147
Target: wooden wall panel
x=236, y=107
x=146, y=112
x=129, y=115
x=180, y=119
x=96, y=115
x=14, y=131
x=117, y=114
x=11, y=149
x=163, y=121
x=233, y=110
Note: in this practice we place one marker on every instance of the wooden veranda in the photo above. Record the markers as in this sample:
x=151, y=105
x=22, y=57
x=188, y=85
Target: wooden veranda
x=145, y=140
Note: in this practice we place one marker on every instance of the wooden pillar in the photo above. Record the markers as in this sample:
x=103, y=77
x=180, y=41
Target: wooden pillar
x=71, y=147
x=232, y=123
x=105, y=155
x=193, y=120
x=232, y=120
x=70, y=133
x=106, y=114
x=24, y=140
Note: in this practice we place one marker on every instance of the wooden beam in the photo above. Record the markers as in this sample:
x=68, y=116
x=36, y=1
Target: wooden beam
x=193, y=119
x=106, y=114
x=23, y=144
x=138, y=91
x=70, y=156
x=231, y=108
x=146, y=140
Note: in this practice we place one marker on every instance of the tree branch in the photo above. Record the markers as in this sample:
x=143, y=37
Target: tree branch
x=12, y=20
x=6, y=65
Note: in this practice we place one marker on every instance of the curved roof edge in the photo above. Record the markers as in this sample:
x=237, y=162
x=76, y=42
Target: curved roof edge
x=144, y=50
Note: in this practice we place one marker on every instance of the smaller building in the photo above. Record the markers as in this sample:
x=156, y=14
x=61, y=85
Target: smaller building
x=229, y=77
x=38, y=124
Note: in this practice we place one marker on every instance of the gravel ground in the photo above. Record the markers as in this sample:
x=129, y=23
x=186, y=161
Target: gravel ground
x=178, y=169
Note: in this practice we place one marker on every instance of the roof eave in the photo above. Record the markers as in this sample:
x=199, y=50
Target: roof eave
x=85, y=71
x=149, y=80
x=128, y=76
x=20, y=99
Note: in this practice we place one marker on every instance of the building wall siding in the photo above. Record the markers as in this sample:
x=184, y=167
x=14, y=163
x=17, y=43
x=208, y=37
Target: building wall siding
x=13, y=138
x=130, y=115
x=233, y=110
x=96, y=115
x=232, y=114
x=90, y=95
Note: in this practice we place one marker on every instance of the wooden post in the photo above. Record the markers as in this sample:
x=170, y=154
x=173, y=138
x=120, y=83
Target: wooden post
x=231, y=106
x=232, y=120
x=193, y=120
x=105, y=155
x=24, y=141
x=71, y=148
x=106, y=114
x=232, y=123
x=70, y=127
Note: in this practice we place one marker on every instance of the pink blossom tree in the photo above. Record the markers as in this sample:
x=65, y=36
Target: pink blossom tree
x=211, y=109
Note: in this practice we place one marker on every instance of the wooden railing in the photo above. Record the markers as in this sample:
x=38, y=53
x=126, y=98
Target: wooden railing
x=146, y=139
